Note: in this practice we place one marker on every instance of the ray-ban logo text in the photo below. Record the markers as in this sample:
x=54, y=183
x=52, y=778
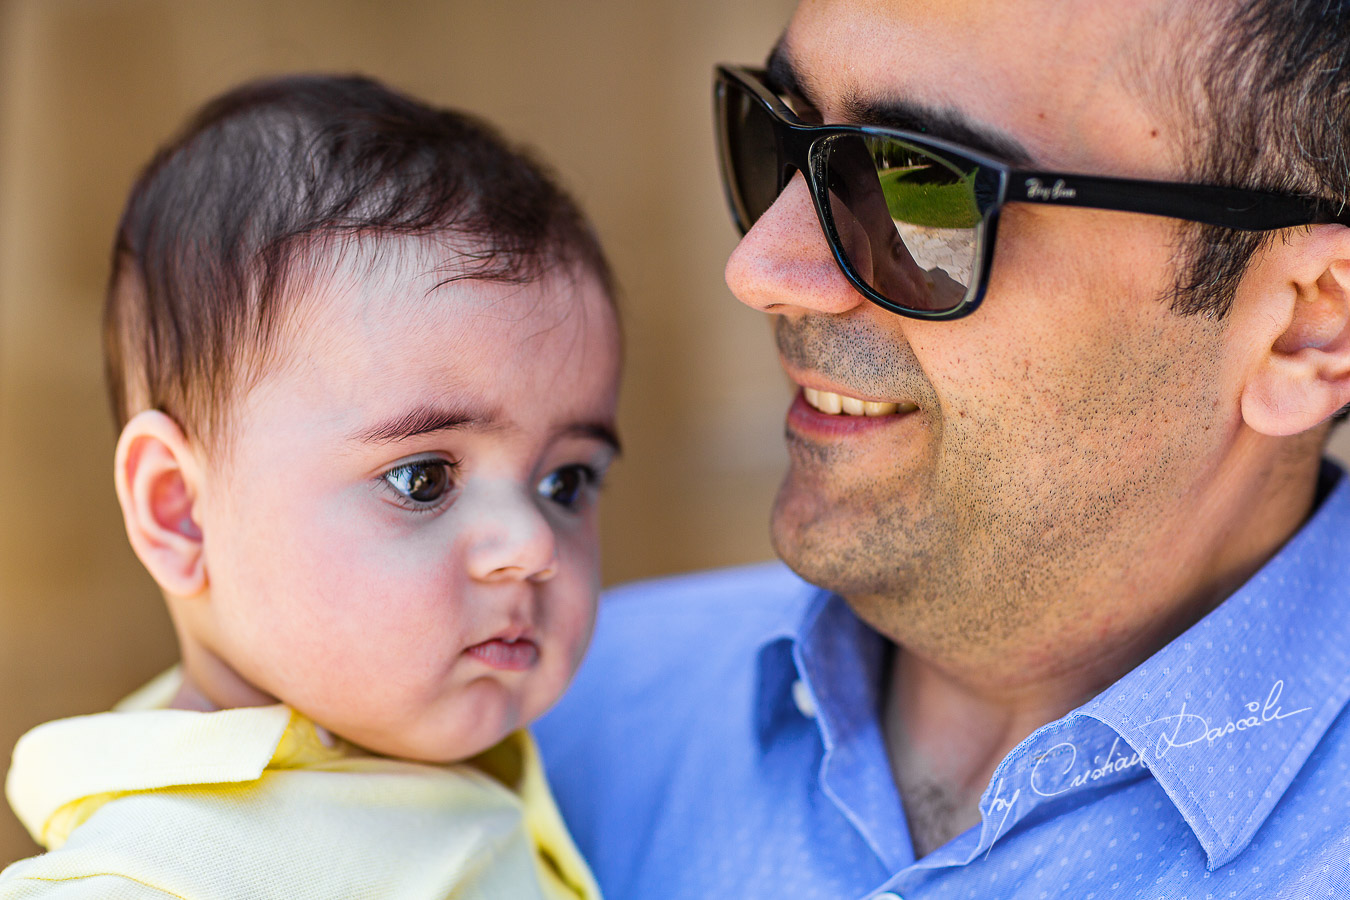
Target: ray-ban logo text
x=1057, y=191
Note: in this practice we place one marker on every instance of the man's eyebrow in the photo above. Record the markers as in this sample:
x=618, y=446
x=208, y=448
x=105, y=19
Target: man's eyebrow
x=948, y=124
x=781, y=75
x=424, y=419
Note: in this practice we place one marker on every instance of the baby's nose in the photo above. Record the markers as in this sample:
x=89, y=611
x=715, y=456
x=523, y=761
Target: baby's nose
x=512, y=540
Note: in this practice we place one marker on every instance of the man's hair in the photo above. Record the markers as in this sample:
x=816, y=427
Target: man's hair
x=1267, y=88
x=225, y=219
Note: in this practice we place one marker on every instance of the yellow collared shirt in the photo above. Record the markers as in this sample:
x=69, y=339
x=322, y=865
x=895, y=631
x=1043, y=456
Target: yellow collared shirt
x=147, y=802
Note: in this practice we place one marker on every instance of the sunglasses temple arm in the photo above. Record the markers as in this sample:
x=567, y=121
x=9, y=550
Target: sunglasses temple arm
x=1225, y=207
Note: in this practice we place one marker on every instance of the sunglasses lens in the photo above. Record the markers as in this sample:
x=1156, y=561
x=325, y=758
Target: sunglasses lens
x=749, y=153
x=907, y=219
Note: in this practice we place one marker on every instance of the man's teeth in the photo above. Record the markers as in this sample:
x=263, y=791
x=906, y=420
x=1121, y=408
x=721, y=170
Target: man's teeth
x=834, y=404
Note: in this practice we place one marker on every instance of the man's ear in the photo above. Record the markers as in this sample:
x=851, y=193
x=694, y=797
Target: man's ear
x=1303, y=375
x=158, y=478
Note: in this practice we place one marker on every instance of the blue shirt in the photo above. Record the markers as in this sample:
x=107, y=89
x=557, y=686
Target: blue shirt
x=722, y=740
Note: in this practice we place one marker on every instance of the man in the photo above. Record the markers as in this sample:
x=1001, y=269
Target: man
x=1076, y=612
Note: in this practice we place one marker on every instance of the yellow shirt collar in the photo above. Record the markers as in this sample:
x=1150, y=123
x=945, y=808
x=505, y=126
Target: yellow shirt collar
x=64, y=771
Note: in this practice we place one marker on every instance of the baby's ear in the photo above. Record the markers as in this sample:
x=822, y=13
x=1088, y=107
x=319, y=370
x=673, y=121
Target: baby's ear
x=1303, y=375
x=158, y=477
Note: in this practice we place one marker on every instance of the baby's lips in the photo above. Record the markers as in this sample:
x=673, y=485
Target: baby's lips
x=506, y=655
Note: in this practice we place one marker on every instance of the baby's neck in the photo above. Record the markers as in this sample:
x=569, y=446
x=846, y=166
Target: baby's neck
x=190, y=697
x=210, y=682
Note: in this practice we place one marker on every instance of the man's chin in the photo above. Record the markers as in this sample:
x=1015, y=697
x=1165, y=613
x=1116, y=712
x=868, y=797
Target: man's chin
x=813, y=539
x=848, y=542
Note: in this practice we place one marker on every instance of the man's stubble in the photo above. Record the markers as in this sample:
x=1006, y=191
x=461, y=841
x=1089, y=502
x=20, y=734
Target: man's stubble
x=993, y=518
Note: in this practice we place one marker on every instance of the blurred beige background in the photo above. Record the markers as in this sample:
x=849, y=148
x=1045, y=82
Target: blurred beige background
x=613, y=93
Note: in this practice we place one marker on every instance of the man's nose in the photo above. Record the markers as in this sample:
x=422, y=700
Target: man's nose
x=784, y=264
x=512, y=541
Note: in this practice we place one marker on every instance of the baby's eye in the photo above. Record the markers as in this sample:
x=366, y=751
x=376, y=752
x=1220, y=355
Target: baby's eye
x=567, y=486
x=423, y=483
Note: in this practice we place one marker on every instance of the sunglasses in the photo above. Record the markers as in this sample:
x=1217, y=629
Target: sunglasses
x=911, y=219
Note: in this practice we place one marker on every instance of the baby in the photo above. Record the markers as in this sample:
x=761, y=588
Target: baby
x=364, y=357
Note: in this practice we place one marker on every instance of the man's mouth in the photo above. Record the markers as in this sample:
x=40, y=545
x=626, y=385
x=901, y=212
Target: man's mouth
x=839, y=404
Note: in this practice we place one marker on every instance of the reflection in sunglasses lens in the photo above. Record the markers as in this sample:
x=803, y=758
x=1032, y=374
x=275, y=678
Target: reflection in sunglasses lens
x=920, y=214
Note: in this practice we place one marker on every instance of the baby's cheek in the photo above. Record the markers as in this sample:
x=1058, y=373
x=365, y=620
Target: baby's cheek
x=573, y=620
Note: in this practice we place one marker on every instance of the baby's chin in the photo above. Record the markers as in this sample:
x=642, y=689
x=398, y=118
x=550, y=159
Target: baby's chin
x=438, y=753
x=447, y=751
x=425, y=739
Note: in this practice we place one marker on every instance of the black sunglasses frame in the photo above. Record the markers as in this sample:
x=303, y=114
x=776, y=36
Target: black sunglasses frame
x=801, y=147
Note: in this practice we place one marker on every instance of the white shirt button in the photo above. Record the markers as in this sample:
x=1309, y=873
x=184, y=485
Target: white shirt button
x=801, y=695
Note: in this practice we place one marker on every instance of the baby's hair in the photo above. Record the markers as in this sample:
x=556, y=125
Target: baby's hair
x=226, y=217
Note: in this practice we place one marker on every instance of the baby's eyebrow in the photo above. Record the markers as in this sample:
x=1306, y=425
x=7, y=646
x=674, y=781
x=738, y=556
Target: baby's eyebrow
x=425, y=419
x=600, y=431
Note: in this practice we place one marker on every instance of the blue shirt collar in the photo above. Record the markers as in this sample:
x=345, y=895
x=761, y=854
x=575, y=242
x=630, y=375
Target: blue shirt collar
x=836, y=666
x=1223, y=717
x=1226, y=715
